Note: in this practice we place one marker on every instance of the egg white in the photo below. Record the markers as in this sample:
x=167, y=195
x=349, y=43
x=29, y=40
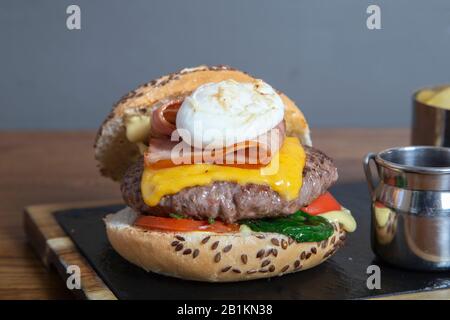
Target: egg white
x=221, y=114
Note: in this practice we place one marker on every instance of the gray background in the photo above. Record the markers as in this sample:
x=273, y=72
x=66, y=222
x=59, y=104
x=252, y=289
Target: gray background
x=318, y=52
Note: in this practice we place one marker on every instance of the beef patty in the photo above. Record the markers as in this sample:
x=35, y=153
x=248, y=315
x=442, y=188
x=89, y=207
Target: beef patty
x=229, y=201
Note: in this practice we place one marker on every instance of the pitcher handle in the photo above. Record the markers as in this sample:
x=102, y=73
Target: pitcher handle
x=366, y=163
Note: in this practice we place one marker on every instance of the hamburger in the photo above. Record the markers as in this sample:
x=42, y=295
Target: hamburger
x=220, y=179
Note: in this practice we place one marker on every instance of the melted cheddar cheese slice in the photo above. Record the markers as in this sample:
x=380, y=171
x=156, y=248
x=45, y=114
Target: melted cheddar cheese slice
x=283, y=174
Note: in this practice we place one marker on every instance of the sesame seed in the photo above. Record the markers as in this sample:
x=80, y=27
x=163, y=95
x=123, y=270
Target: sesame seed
x=180, y=238
x=215, y=245
x=187, y=251
x=196, y=253
x=272, y=268
x=244, y=258
x=205, y=240
x=313, y=250
x=275, y=241
x=226, y=269
x=308, y=255
x=284, y=244
x=179, y=247
x=296, y=264
x=174, y=243
x=260, y=253
x=227, y=248
x=217, y=257
x=265, y=263
x=251, y=271
x=236, y=271
x=285, y=268
x=274, y=252
x=303, y=255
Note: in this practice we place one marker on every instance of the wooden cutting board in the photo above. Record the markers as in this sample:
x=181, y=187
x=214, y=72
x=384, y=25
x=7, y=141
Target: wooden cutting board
x=73, y=234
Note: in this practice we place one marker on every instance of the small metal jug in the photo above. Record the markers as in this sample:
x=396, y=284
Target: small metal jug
x=411, y=206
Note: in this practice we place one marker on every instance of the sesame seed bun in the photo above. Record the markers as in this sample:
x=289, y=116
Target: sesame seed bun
x=113, y=150
x=216, y=257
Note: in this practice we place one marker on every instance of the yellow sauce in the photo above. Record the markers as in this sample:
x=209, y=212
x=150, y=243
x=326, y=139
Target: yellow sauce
x=343, y=216
x=437, y=97
x=137, y=128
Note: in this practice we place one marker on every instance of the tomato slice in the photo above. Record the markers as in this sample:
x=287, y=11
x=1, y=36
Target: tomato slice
x=324, y=203
x=379, y=205
x=173, y=224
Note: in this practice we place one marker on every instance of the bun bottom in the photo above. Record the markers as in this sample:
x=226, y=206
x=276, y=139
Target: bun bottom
x=216, y=257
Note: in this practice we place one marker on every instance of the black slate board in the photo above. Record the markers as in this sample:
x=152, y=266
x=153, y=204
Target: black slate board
x=341, y=277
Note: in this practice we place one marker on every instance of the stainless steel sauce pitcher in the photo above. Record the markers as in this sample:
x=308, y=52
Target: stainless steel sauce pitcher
x=411, y=206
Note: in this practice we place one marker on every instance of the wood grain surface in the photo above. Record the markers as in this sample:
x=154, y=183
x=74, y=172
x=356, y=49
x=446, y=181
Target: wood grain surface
x=49, y=167
x=56, y=249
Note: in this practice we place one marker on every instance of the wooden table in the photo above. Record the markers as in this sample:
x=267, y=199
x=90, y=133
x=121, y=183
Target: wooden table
x=48, y=167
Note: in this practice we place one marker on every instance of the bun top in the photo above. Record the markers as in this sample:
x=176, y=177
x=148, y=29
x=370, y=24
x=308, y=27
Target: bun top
x=120, y=137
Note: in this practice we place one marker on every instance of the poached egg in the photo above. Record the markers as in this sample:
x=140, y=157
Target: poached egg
x=221, y=114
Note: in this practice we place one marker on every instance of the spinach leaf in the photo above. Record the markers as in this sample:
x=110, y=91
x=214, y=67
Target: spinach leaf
x=177, y=216
x=300, y=226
